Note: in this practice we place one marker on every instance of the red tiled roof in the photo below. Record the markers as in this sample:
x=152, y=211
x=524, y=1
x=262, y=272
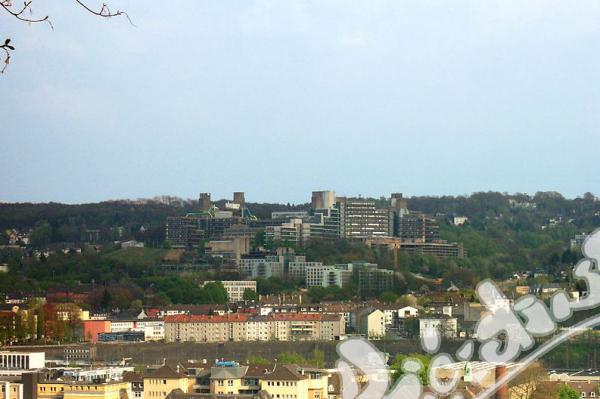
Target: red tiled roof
x=295, y=316
x=244, y=317
x=236, y=317
x=152, y=313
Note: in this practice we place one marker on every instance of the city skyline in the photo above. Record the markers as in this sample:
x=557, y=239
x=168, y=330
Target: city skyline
x=302, y=198
x=331, y=199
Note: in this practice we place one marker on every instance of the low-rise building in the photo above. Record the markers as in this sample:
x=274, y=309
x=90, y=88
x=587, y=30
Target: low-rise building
x=328, y=276
x=278, y=381
x=22, y=360
x=297, y=267
x=82, y=390
x=371, y=323
x=97, y=373
x=11, y=388
x=447, y=326
x=132, y=244
x=160, y=382
x=372, y=280
x=269, y=266
x=92, y=328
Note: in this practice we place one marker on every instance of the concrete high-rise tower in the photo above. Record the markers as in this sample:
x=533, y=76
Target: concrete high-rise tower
x=398, y=202
x=323, y=199
x=239, y=198
x=205, y=203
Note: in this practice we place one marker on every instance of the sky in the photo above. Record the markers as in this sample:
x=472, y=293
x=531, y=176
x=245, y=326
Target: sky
x=280, y=98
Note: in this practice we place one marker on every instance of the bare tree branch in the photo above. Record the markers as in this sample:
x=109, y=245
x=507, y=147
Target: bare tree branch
x=25, y=14
x=18, y=14
x=7, y=48
x=105, y=11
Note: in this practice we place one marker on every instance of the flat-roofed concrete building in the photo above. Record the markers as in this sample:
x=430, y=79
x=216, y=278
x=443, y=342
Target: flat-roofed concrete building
x=230, y=249
x=416, y=227
x=184, y=231
x=289, y=215
x=446, y=325
x=329, y=276
x=269, y=266
x=294, y=231
x=297, y=267
x=22, y=360
x=360, y=218
x=372, y=280
x=235, y=289
x=438, y=249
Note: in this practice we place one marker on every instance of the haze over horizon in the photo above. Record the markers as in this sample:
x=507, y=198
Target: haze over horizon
x=278, y=99
x=228, y=196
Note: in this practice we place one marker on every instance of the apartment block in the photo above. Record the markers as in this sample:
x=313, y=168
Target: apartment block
x=230, y=249
x=277, y=381
x=184, y=231
x=294, y=231
x=297, y=267
x=328, y=276
x=269, y=266
x=416, y=227
x=446, y=325
x=371, y=323
x=235, y=289
x=371, y=279
x=160, y=382
x=83, y=390
x=187, y=231
x=243, y=327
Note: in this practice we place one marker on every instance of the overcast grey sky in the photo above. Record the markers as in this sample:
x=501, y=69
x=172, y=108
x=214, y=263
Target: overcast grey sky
x=278, y=98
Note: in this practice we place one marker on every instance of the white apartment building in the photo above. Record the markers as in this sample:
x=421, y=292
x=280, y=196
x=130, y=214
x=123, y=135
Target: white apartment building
x=154, y=330
x=269, y=266
x=328, y=276
x=11, y=390
x=242, y=327
x=22, y=360
x=372, y=323
x=393, y=314
x=297, y=268
x=447, y=326
x=122, y=325
x=407, y=311
x=294, y=231
x=100, y=373
x=235, y=289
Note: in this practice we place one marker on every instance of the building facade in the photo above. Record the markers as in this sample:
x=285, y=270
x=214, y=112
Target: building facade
x=361, y=218
x=242, y=327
